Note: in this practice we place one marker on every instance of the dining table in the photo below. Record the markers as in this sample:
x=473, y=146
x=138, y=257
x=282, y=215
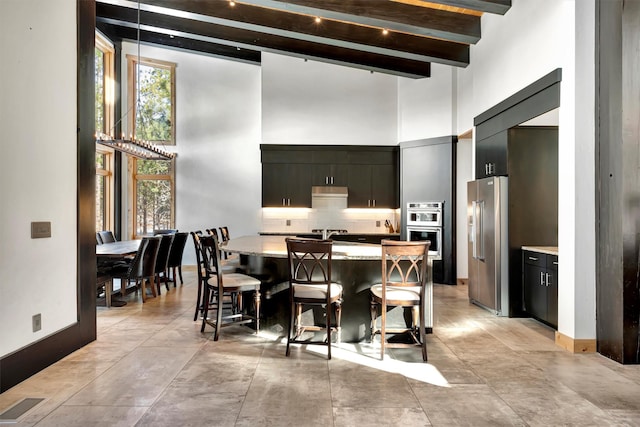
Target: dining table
x=110, y=252
x=118, y=249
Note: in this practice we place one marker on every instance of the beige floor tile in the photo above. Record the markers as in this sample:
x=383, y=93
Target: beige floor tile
x=99, y=416
x=151, y=366
x=391, y=417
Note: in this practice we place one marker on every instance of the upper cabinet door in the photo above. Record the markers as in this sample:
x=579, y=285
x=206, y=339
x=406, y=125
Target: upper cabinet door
x=491, y=156
x=373, y=179
x=330, y=174
x=384, y=185
x=286, y=185
x=359, y=179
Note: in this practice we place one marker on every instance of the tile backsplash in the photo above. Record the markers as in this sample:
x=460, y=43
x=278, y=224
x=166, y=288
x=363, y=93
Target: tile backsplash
x=303, y=220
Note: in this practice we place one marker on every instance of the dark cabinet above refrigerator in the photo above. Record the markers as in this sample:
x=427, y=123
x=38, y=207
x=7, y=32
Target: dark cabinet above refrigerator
x=491, y=156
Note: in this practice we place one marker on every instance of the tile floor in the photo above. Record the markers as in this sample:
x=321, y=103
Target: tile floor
x=151, y=366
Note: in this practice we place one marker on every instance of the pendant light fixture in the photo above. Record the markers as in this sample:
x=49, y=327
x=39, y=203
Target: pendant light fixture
x=135, y=147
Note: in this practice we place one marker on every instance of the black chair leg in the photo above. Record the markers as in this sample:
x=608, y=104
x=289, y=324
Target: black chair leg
x=198, y=302
x=205, y=309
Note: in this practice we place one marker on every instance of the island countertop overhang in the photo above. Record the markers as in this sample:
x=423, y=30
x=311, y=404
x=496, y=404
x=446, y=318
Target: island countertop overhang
x=275, y=247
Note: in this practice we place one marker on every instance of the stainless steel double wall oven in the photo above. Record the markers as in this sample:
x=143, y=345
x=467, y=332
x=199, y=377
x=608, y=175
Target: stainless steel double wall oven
x=424, y=222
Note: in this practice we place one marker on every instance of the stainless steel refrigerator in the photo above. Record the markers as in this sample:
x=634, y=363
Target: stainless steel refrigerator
x=488, y=244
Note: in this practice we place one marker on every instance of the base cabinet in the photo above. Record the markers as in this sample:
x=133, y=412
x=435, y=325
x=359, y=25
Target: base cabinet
x=540, y=286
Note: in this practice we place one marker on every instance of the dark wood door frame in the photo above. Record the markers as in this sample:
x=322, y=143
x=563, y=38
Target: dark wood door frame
x=31, y=359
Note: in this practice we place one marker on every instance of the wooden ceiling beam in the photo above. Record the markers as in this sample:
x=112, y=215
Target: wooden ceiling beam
x=330, y=32
x=182, y=43
x=247, y=39
x=499, y=7
x=441, y=24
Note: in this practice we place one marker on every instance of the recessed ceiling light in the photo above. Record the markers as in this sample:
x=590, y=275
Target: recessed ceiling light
x=385, y=31
x=318, y=20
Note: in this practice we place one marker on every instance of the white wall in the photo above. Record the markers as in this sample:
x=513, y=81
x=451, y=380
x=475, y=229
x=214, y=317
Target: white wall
x=317, y=103
x=425, y=106
x=37, y=168
x=218, y=173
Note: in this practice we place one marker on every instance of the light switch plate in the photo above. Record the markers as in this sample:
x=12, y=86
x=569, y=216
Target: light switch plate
x=40, y=230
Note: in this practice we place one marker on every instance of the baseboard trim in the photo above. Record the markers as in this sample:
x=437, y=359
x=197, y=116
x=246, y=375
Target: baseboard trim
x=462, y=281
x=576, y=345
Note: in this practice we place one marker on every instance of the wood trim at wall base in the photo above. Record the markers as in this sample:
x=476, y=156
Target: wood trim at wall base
x=462, y=282
x=574, y=345
x=20, y=365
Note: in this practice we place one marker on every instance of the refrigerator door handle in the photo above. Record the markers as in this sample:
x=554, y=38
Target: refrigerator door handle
x=472, y=230
x=479, y=230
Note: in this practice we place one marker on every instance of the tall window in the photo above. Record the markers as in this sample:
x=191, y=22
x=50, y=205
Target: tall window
x=154, y=189
x=151, y=102
x=104, y=185
x=104, y=69
x=152, y=99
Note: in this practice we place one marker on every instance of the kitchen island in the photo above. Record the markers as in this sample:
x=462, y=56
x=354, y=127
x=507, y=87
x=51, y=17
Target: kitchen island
x=356, y=266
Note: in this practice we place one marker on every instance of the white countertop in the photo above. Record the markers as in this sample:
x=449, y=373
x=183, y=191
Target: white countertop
x=551, y=250
x=275, y=246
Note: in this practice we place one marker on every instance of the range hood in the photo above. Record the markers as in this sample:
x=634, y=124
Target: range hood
x=329, y=197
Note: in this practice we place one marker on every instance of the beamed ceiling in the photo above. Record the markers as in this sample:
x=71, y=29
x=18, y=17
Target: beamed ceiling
x=399, y=37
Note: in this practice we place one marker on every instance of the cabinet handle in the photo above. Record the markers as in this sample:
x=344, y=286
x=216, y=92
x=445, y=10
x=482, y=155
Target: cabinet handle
x=555, y=262
x=533, y=258
x=331, y=180
x=547, y=276
x=486, y=168
x=374, y=203
x=369, y=203
x=542, y=279
x=326, y=180
x=288, y=202
x=283, y=203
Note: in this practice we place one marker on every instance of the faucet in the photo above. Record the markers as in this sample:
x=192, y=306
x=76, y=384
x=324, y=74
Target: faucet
x=328, y=233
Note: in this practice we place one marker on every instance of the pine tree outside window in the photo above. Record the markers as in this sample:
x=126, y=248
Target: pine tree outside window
x=152, y=118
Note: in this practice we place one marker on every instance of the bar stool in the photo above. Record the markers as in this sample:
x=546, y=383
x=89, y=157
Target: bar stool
x=310, y=284
x=404, y=277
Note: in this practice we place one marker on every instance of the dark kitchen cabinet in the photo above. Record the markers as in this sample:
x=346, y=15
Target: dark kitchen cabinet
x=330, y=174
x=373, y=179
x=540, y=286
x=286, y=184
x=372, y=186
x=491, y=156
x=369, y=172
x=329, y=166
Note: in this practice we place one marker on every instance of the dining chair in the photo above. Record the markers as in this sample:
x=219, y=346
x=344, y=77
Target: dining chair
x=224, y=237
x=220, y=285
x=160, y=270
x=141, y=269
x=106, y=236
x=310, y=284
x=224, y=233
x=175, y=256
x=200, y=270
x=404, y=278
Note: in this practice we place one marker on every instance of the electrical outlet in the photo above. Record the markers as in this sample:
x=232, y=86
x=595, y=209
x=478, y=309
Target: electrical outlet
x=377, y=223
x=288, y=223
x=36, y=322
